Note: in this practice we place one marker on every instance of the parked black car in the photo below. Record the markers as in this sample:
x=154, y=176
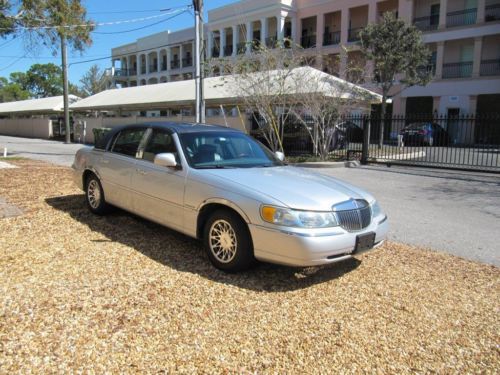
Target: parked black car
x=425, y=134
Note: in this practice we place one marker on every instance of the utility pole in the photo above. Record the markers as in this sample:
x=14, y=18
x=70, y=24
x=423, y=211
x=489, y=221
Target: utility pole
x=65, y=87
x=198, y=26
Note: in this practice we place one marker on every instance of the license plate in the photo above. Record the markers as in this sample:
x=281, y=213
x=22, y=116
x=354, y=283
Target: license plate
x=364, y=242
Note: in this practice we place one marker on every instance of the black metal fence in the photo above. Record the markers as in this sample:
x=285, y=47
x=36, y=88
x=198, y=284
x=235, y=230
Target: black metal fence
x=462, y=141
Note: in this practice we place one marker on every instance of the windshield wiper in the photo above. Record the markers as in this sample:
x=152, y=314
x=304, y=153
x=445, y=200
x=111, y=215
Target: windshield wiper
x=215, y=166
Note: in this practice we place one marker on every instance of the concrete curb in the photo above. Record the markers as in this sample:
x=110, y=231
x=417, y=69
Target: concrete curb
x=328, y=164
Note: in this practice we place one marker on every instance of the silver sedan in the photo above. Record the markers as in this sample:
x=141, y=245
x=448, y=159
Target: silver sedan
x=223, y=187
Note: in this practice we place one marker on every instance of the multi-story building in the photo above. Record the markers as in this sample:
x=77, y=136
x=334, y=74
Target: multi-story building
x=463, y=35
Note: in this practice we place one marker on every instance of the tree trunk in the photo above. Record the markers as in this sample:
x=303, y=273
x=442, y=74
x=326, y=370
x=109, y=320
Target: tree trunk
x=382, y=120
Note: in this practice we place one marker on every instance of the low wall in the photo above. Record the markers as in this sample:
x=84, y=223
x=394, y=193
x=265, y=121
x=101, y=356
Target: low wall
x=111, y=122
x=26, y=127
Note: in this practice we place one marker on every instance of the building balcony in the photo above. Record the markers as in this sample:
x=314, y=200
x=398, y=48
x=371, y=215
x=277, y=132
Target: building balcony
x=457, y=70
x=143, y=69
x=461, y=17
x=490, y=68
x=308, y=41
x=427, y=23
x=353, y=35
x=175, y=64
x=228, y=50
x=188, y=61
x=492, y=13
x=164, y=65
x=153, y=68
x=331, y=38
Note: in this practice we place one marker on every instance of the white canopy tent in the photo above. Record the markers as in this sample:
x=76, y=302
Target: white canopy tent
x=217, y=90
x=43, y=106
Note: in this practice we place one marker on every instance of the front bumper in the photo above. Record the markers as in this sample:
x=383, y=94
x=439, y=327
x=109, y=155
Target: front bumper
x=306, y=248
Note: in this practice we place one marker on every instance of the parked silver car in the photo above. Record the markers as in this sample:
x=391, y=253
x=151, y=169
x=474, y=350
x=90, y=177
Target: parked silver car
x=220, y=185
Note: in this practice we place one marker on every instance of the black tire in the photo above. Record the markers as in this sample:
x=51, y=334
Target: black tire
x=217, y=249
x=93, y=190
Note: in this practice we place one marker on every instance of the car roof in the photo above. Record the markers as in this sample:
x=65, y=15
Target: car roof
x=179, y=127
x=175, y=127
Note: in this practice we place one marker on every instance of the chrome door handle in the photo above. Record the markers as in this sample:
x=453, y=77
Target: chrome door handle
x=141, y=171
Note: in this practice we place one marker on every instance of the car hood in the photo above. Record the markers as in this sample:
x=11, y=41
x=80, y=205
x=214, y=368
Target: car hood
x=295, y=187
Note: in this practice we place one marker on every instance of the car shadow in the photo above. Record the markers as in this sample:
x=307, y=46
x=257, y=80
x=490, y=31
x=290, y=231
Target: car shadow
x=186, y=254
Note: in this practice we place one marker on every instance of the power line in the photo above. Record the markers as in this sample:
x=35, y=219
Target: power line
x=110, y=23
x=138, y=28
x=8, y=66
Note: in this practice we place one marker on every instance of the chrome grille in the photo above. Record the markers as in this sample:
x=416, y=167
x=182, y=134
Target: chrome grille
x=356, y=218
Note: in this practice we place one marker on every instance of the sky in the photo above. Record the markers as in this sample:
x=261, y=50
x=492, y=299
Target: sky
x=14, y=57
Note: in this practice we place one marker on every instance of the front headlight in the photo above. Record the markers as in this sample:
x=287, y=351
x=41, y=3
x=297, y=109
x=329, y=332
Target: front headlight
x=376, y=210
x=295, y=218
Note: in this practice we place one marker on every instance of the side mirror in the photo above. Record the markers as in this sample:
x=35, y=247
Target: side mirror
x=280, y=155
x=166, y=160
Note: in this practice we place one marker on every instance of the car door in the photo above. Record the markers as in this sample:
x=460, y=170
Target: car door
x=159, y=191
x=117, y=164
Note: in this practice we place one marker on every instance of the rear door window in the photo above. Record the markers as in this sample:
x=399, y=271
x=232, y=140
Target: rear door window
x=127, y=142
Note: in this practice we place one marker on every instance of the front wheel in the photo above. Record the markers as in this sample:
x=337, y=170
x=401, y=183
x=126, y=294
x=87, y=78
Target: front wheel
x=228, y=242
x=95, y=196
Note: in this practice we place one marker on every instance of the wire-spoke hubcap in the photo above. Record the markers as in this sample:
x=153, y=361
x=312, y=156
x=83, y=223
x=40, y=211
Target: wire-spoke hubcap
x=222, y=239
x=94, y=194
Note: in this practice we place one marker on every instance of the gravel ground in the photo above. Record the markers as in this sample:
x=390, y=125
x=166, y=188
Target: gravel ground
x=80, y=293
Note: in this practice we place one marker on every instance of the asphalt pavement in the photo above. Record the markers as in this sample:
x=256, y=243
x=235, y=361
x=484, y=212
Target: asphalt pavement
x=452, y=211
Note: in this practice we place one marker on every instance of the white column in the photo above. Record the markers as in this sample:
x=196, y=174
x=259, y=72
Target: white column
x=222, y=33
x=372, y=12
x=249, y=36
x=169, y=57
x=405, y=10
x=443, y=8
x=439, y=60
x=210, y=36
x=138, y=59
x=344, y=26
x=158, y=60
x=320, y=30
x=481, y=8
x=235, y=39
x=263, y=30
x=295, y=31
x=280, y=27
x=478, y=49
x=181, y=55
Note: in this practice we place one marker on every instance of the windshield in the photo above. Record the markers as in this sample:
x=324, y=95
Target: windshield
x=213, y=149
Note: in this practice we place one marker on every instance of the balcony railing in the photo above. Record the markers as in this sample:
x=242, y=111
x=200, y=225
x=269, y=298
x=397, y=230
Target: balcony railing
x=153, y=68
x=490, y=67
x=188, y=61
x=124, y=72
x=143, y=69
x=331, y=38
x=353, y=35
x=228, y=50
x=427, y=23
x=461, y=17
x=175, y=64
x=215, y=52
x=492, y=12
x=457, y=70
x=308, y=41
x=164, y=65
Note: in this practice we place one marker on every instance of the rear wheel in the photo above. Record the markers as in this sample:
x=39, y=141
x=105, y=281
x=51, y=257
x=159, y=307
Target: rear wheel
x=95, y=196
x=228, y=242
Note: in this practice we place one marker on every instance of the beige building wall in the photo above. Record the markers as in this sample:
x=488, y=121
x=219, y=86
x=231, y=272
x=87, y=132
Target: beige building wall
x=26, y=127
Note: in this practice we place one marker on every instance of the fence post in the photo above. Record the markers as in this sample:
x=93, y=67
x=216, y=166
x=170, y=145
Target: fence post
x=365, y=151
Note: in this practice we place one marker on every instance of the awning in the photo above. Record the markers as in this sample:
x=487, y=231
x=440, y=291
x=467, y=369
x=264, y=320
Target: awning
x=217, y=90
x=54, y=104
